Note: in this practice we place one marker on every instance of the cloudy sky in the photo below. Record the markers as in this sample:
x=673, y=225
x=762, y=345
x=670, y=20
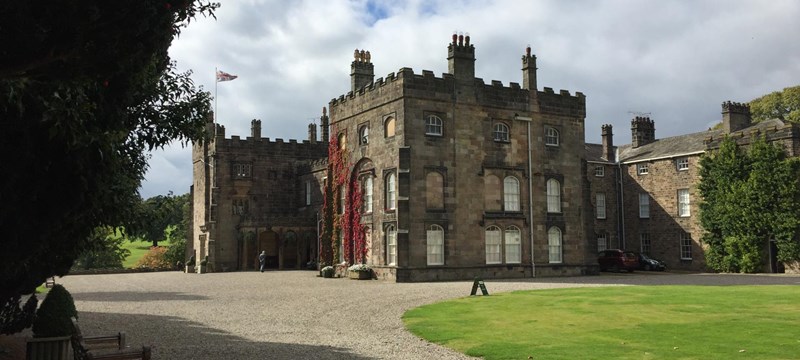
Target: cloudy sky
x=677, y=60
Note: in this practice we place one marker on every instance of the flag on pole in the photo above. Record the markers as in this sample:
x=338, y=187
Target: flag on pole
x=223, y=76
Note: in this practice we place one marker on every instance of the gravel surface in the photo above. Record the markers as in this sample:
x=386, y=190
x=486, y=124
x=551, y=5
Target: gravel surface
x=297, y=315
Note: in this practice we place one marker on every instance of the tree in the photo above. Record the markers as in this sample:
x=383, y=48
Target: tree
x=783, y=105
x=156, y=214
x=749, y=198
x=86, y=89
x=105, y=251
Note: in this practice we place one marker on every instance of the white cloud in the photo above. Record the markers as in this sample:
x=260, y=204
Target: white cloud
x=675, y=59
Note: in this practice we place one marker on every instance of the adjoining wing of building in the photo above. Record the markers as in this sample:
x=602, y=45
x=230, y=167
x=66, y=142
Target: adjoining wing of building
x=461, y=179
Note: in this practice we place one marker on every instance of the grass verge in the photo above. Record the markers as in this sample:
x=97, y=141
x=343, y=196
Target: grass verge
x=138, y=249
x=637, y=322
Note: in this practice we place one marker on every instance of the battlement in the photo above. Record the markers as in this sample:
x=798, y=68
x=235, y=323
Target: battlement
x=642, y=121
x=266, y=144
x=605, y=129
x=562, y=103
x=735, y=107
x=643, y=131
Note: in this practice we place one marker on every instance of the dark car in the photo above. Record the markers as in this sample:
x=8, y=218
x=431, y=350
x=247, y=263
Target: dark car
x=649, y=264
x=618, y=260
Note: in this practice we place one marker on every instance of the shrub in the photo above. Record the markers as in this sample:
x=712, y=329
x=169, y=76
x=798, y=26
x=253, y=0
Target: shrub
x=327, y=271
x=14, y=319
x=176, y=252
x=154, y=259
x=53, y=316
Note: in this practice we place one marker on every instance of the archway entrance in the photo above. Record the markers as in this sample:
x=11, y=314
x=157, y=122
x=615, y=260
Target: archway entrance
x=267, y=242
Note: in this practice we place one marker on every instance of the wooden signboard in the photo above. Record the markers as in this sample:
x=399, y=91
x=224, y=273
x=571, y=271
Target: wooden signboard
x=476, y=284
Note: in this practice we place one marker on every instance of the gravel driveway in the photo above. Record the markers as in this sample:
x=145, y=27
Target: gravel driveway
x=295, y=314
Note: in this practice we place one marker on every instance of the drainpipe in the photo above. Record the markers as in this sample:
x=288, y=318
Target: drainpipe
x=621, y=205
x=530, y=190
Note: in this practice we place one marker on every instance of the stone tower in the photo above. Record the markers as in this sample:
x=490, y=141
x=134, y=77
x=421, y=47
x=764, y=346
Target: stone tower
x=735, y=116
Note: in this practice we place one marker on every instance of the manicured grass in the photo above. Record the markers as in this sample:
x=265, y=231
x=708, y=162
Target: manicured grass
x=138, y=249
x=635, y=322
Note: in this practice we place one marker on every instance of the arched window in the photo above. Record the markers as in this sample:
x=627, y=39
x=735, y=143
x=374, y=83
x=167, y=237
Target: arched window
x=554, y=244
x=510, y=194
x=391, y=192
x=341, y=246
x=513, y=245
x=367, y=186
x=435, y=238
x=500, y=132
x=433, y=125
x=491, y=193
x=342, y=140
x=493, y=244
x=551, y=136
x=434, y=190
x=363, y=135
x=391, y=245
x=388, y=127
x=553, y=196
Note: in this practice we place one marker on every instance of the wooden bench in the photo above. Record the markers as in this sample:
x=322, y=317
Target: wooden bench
x=50, y=282
x=108, y=347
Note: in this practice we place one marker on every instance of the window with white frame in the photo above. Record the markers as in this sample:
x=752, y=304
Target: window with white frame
x=500, y=132
x=513, y=241
x=363, y=135
x=684, y=208
x=551, y=136
x=510, y=194
x=686, y=246
x=391, y=192
x=644, y=205
x=600, y=205
x=642, y=169
x=308, y=192
x=435, y=239
x=644, y=243
x=599, y=171
x=602, y=242
x=388, y=127
x=433, y=125
x=493, y=244
x=554, y=245
x=367, y=194
x=682, y=163
x=553, y=196
x=391, y=245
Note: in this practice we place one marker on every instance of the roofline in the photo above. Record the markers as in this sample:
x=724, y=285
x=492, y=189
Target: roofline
x=663, y=157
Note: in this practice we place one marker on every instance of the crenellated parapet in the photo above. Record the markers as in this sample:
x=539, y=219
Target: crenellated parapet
x=563, y=103
x=735, y=107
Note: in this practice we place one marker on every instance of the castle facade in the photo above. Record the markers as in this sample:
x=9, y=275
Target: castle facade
x=460, y=179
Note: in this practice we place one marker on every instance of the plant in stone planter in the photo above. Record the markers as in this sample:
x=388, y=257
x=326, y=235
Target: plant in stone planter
x=360, y=271
x=327, y=272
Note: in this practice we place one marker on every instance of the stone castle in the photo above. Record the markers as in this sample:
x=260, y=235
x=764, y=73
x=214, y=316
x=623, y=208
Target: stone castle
x=461, y=179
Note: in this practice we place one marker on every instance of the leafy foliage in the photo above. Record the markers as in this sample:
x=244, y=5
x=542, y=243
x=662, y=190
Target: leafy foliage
x=749, y=198
x=158, y=214
x=14, y=319
x=86, y=89
x=53, y=316
x=155, y=259
x=105, y=250
x=783, y=105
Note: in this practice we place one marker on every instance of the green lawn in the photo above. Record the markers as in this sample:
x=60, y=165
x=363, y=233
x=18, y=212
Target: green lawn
x=138, y=249
x=635, y=322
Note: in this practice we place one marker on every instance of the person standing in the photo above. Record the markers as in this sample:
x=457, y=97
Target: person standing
x=262, y=260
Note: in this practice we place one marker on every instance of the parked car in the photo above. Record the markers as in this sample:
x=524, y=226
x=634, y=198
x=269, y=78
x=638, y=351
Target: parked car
x=649, y=264
x=617, y=260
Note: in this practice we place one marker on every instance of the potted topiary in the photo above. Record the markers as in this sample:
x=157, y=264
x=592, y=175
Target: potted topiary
x=190, y=264
x=52, y=328
x=203, y=268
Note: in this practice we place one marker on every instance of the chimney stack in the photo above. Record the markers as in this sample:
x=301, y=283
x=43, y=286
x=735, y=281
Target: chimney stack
x=323, y=123
x=608, y=142
x=255, y=129
x=312, y=133
x=643, y=131
x=362, y=71
x=461, y=59
x=735, y=116
x=529, y=70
